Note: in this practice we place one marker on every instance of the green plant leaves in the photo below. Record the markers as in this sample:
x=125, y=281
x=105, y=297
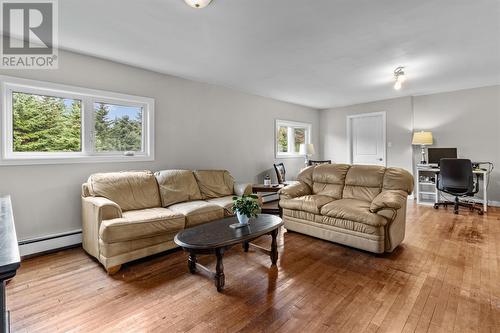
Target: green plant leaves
x=247, y=205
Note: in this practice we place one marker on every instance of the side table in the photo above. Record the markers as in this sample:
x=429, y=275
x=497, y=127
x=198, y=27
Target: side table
x=271, y=207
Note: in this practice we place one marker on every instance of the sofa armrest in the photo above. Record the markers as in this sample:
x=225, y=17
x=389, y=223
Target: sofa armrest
x=104, y=208
x=94, y=211
x=391, y=199
x=240, y=189
x=86, y=190
x=298, y=189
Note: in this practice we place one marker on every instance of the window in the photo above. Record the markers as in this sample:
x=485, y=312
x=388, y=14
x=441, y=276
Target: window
x=46, y=123
x=289, y=136
x=117, y=127
x=49, y=123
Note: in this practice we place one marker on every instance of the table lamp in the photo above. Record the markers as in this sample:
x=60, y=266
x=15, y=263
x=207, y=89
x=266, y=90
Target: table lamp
x=307, y=150
x=423, y=139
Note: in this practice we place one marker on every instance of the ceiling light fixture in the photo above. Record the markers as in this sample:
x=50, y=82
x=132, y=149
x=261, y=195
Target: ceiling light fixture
x=400, y=77
x=198, y=3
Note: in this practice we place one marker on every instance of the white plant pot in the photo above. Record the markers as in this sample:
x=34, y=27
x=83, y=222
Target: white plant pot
x=243, y=219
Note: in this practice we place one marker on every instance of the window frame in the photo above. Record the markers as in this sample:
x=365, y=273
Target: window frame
x=87, y=97
x=291, y=125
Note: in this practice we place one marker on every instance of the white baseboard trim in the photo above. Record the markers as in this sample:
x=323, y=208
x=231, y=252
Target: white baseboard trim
x=490, y=203
x=49, y=242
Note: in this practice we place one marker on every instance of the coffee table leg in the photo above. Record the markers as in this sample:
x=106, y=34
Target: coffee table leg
x=274, y=247
x=192, y=263
x=219, y=270
x=245, y=246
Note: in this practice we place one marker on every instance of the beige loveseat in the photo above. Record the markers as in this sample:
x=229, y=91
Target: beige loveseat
x=134, y=214
x=359, y=206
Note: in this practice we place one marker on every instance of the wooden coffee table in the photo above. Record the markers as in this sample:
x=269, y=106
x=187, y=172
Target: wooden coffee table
x=217, y=237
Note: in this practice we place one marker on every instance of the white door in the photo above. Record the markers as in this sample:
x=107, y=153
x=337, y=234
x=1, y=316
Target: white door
x=366, y=137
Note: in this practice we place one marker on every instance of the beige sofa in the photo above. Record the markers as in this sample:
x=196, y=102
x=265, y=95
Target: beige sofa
x=134, y=214
x=359, y=206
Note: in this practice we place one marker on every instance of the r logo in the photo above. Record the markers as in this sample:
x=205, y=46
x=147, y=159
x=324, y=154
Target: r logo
x=28, y=27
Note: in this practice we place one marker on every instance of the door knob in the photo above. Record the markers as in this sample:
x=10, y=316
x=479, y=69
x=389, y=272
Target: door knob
x=380, y=159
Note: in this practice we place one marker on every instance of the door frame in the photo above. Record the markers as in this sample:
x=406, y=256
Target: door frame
x=349, y=119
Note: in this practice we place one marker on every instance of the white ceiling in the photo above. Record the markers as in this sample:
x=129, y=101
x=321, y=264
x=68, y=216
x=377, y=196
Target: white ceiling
x=319, y=53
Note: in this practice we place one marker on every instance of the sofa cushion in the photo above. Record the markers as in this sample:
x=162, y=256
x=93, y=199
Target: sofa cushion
x=301, y=215
x=136, y=224
x=363, y=182
x=353, y=226
x=198, y=212
x=398, y=179
x=391, y=199
x=308, y=203
x=347, y=226
x=224, y=202
x=128, y=248
x=306, y=175
x=353, y=210
x=328, y=179
x=296, y=190
x=131, y=190
x=177, y=186
x=214, y=183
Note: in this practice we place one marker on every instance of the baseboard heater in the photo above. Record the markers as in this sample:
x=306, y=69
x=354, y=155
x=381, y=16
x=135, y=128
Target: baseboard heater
x=267, y=197
x=42, y=244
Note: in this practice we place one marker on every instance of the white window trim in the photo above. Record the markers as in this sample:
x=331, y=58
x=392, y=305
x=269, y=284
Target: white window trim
x=87, y=97
x=290, y=124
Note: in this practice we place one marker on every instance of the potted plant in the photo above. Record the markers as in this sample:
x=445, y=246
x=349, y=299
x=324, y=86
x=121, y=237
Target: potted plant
x=246, y=207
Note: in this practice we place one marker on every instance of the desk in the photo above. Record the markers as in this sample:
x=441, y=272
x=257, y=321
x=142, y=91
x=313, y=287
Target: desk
x=9, y=256
x=428, y=194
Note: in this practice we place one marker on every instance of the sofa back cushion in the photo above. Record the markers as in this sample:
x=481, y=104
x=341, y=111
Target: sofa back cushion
x=398, y=179
x=363, y=182
x=329, y=179
x=177, y=186
x=214, y=183
x=131, y=190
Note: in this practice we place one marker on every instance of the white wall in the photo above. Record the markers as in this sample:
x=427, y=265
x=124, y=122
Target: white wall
x=467, y=119
x=197, y=126
x=333, y=130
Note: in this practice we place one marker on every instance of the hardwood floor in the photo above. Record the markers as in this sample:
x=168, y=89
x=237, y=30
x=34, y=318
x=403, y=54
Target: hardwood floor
x=444, y=278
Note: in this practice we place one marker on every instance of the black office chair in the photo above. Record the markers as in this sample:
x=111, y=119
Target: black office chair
x=312, y=162
x=456, y=178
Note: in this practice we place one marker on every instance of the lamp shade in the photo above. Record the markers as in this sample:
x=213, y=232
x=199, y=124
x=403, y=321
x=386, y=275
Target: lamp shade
x=306, y=149
x=422, y=138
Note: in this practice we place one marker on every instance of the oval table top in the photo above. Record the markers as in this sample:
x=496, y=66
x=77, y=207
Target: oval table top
x=218, y=233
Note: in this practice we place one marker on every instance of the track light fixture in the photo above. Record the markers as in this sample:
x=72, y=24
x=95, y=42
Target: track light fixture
x=399, y=76
x=198, y=3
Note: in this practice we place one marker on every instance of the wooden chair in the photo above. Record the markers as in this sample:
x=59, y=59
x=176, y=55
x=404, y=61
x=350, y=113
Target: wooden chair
x=280, y=173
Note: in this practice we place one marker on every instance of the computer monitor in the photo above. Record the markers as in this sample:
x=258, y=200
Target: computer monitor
x=436, y=154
